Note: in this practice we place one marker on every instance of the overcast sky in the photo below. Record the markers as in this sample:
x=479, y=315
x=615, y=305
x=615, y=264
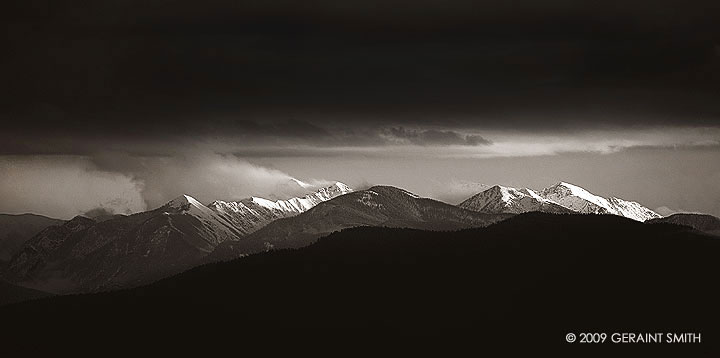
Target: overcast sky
x=124, y=104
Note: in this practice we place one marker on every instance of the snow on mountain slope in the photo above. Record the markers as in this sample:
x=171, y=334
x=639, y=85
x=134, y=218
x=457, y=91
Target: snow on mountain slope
x=501, y=199
x=215, y=228
x=559, y=198
x=249, y=215
x=633, y=210
x=377, y=206
x=580, y=200
x=84, y=255
x=577, y=199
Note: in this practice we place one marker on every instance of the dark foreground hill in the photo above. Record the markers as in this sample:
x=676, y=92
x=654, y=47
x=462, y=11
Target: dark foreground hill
x=523, y=283
x=10, y=293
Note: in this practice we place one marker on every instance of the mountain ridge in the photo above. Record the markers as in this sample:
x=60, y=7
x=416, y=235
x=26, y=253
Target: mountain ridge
x=557, y=198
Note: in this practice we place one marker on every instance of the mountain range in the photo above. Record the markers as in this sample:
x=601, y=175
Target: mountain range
x=87, y=255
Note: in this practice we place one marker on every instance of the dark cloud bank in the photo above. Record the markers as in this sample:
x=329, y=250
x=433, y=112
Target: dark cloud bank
x=144, y=100
x=158, y=69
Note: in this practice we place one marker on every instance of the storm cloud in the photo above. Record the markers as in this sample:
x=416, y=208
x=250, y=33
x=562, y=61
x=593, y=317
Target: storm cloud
x=150, y=68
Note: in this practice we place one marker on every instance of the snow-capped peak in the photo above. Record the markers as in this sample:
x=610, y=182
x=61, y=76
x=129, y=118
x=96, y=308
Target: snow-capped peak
x=183, y=201
x=186, y=204
x=558, y=198
x=342, y=187
x=580, y=200
x=216, y=229
x=255, y=212
x=300, y=204
x=561, y=191
x=502, y=199
x=506, y=194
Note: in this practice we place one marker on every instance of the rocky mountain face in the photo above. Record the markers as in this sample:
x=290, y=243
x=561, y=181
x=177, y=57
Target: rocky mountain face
x=559, y=198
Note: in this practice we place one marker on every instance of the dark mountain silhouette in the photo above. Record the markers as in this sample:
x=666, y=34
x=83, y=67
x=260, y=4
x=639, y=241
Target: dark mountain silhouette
x=706, y=223
x=384, y=206
x=521, y=283
x=15, y=230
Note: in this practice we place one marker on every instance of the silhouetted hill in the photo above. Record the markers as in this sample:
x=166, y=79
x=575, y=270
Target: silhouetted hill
x=706, y=223
x=522, y=283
